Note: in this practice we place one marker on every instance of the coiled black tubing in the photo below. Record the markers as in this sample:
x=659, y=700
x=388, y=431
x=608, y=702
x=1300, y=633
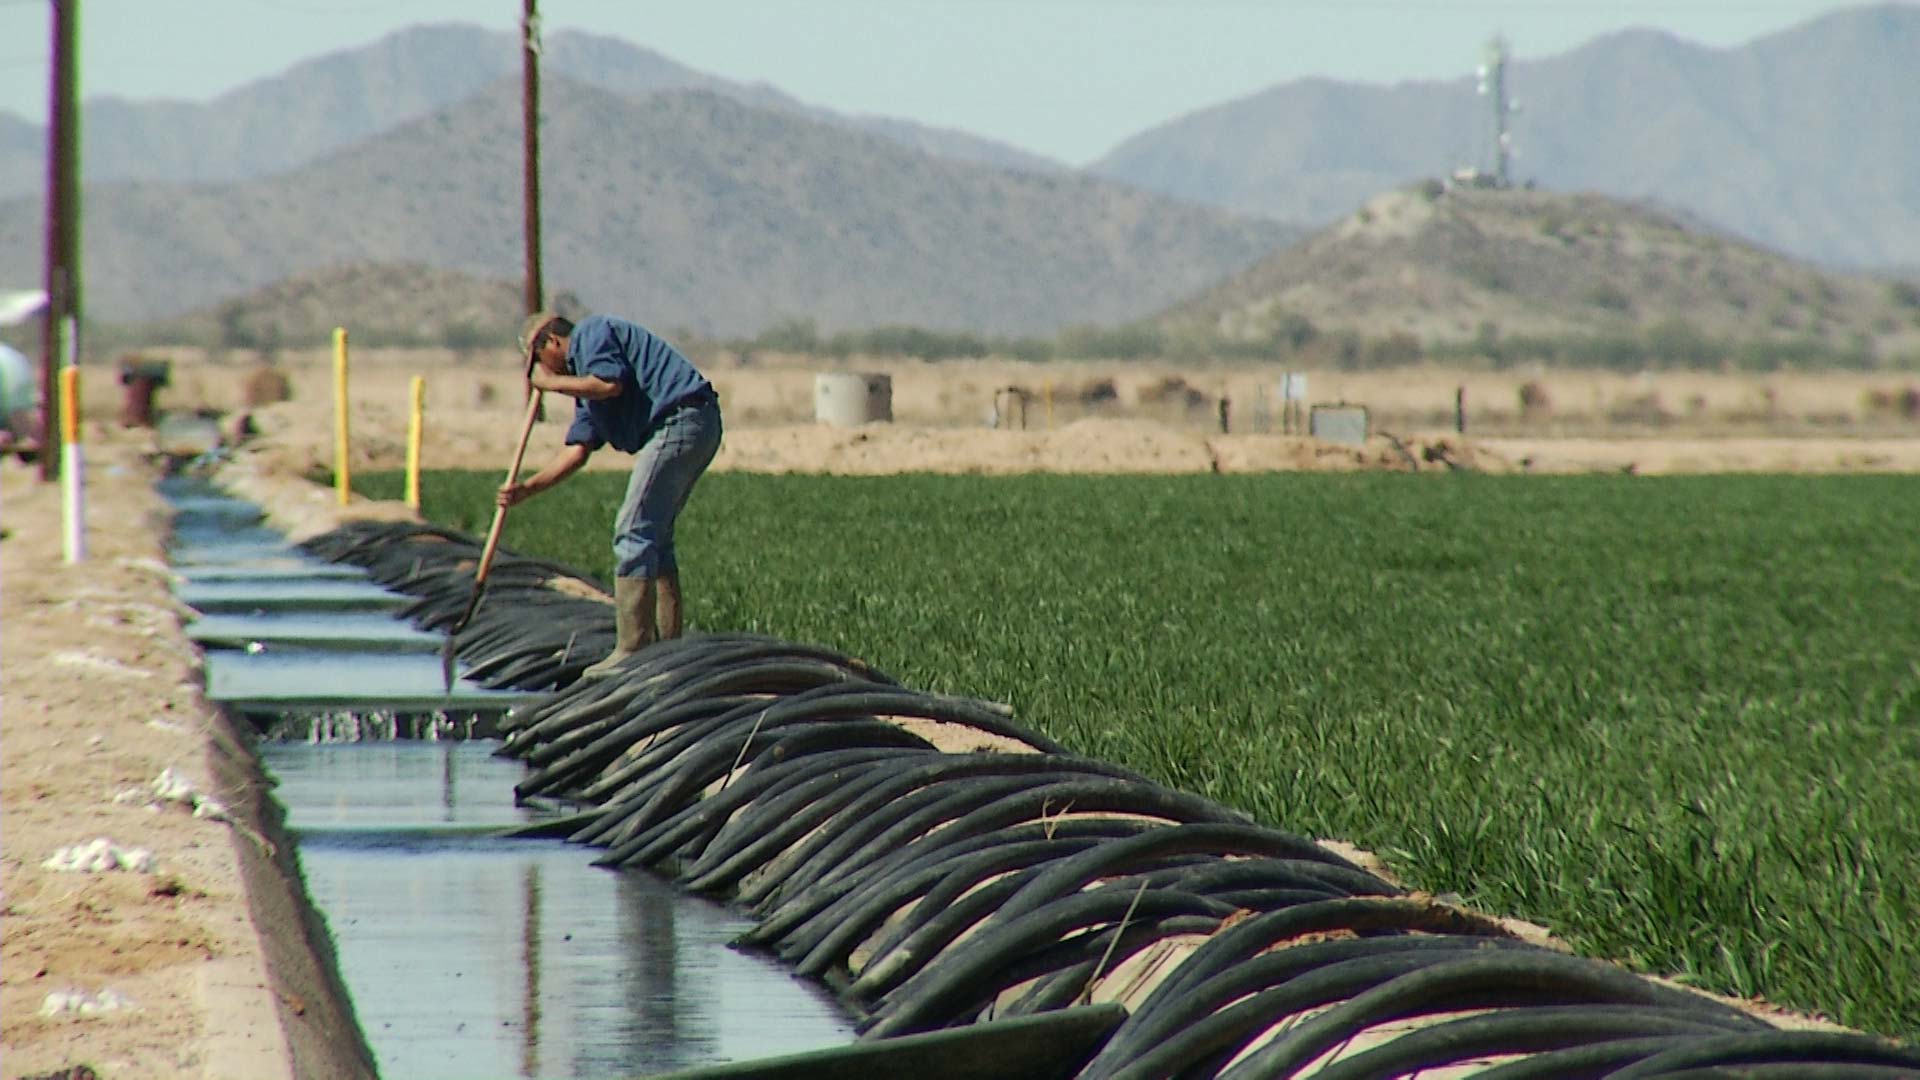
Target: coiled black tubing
x=1005, y=875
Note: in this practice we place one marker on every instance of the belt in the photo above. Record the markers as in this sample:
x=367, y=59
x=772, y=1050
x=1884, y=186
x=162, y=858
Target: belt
x=707, y=396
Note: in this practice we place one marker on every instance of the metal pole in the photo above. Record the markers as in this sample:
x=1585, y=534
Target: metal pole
x=63, y=213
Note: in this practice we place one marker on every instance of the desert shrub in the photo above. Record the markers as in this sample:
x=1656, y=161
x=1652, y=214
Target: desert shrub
x=790, y=335
x=1676, y=343
x=1097, y=392
x=1609, y=297
x=1645, y=408
x=1172, y=390
x=265, y=385
x=1398, y=349
x=485, y=393
x=464, y=337
x=1138, y=341
x=914, y=341
x=1535, y=403
x=1487, y=272
x=1032, y=350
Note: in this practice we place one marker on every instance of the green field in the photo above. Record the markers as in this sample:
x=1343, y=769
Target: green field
x=1677, y=720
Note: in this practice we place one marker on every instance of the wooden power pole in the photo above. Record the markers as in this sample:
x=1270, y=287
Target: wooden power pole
x=60, y=331
x=530, y=126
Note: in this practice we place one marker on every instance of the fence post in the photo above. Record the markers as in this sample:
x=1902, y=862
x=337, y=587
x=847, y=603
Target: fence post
x=342, y=472
x=416, y=420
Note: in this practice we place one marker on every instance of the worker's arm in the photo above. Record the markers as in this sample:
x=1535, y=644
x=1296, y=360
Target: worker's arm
x=564, y=464
x=584, y=387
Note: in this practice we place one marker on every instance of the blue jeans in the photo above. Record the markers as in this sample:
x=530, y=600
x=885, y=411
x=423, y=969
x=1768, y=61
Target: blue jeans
x=664, y=471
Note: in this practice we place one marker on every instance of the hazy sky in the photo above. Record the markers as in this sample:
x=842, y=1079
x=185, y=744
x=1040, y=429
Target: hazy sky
x=1067, y=78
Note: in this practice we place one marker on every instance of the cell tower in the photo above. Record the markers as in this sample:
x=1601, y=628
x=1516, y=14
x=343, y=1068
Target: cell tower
x=1493, y=86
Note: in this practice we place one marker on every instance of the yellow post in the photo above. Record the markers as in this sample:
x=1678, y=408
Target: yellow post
x=70, y=404
x=416, y=418
x=72, y=467
x=342, y=474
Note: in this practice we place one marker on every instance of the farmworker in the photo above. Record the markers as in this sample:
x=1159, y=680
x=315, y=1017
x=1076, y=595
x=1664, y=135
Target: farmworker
x=637, y=393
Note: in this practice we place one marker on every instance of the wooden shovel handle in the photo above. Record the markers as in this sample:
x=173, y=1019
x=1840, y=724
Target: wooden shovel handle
x=513, y=474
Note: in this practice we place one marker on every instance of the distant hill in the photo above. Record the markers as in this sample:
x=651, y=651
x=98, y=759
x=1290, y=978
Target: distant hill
x=322, y=105
x=1807, y=141
x=380, y=304
x=686, y=209
x=1452, y=266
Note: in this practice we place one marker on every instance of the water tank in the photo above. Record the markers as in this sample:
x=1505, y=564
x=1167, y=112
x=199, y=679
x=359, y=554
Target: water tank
x=845, y=400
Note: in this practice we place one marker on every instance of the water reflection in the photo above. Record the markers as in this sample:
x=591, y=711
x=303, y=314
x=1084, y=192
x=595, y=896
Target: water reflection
x=467, y=955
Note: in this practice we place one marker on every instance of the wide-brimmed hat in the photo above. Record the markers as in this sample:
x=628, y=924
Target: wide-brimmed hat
x=530, y=329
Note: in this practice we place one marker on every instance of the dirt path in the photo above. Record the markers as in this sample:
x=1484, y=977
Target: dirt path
x=162, y=968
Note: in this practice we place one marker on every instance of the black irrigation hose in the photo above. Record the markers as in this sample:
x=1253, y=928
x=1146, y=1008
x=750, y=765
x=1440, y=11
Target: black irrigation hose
x=1062, y=973
x=690, y=831
x=986, y=884
x=576, y=769
x=903, y=806
x=821, y=941
x=1775, y=1047
x=1592, y=1062
x=817, y=714
x=947, y=843
x=942, y=987
x=639, y=808
x=1219, y=1034
x=1039, y=804
x=1511, y=1032
x=862, y=831
x=1231, y=965
x=723, y=864
x=1511, y=978
x=1069, y=875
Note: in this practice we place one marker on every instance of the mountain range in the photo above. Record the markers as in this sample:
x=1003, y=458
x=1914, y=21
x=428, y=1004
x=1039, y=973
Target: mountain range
x=1806, y=141
x=333, y=101
x=683, y=207
x=1436, y=264
x=732, y=205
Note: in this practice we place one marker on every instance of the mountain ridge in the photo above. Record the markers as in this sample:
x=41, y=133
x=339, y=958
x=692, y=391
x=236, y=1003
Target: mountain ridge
x=1806, y=140
x=725, y=217
x=331, y=101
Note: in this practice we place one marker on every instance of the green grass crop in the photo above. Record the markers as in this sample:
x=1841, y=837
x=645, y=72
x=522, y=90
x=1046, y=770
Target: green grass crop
x=1675, y=719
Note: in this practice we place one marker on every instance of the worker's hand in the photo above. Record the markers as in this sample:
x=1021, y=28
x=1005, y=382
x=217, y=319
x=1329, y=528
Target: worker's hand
x=512, y=494
x=540, y=378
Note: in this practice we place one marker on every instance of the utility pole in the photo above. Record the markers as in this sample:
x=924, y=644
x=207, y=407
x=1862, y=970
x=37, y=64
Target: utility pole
x=60, y=332
x=536, y=296
x=530, y=127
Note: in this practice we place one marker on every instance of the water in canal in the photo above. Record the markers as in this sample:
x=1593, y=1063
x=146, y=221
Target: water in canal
x=467, y=955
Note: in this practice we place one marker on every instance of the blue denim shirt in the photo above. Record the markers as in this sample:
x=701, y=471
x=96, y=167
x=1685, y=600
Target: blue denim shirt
x=653, y=377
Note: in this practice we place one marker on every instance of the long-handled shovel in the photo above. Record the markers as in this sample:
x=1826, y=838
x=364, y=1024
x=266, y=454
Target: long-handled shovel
x=493, y=544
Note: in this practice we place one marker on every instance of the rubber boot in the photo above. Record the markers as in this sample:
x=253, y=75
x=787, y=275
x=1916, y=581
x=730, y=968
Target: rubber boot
x=628, y=592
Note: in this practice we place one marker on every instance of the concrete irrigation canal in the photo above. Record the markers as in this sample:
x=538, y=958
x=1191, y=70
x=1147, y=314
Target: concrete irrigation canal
x=536, y=876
